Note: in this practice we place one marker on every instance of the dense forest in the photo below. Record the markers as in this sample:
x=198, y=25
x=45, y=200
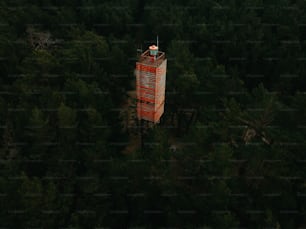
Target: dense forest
x=229, y=151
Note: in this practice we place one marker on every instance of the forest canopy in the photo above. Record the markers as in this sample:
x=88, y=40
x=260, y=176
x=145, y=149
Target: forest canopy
x=229, y=151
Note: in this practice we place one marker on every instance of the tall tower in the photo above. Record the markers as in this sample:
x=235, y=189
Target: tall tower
x=150, y=84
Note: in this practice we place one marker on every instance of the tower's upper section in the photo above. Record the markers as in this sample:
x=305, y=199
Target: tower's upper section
x=152, y=56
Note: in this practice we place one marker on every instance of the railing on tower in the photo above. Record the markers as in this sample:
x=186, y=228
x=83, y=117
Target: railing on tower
x=146, y=58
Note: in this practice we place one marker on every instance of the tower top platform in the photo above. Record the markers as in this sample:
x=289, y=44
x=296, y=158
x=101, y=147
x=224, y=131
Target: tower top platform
x=146, y=58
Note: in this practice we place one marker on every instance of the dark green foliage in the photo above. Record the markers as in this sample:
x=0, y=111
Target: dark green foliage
x=229, y=151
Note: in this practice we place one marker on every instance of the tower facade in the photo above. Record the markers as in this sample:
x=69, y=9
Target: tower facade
x=151, y=84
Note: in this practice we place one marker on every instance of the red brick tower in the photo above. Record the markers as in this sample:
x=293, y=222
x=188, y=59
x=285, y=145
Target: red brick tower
x=150, y=84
